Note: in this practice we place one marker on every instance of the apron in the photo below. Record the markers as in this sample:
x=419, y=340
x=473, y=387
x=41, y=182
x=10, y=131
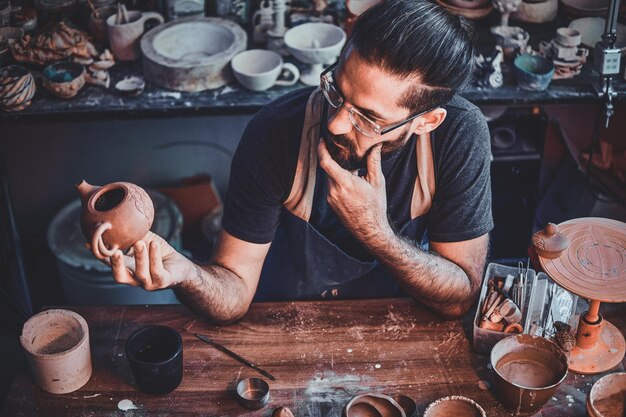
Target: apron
x=302, y=264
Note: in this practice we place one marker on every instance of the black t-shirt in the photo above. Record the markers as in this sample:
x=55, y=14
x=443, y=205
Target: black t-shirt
x=264, y=166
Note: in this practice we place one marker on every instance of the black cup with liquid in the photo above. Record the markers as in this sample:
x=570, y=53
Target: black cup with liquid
x=155, y=354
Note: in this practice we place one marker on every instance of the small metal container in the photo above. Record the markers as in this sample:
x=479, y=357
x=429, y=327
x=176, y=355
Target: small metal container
x=253, y=393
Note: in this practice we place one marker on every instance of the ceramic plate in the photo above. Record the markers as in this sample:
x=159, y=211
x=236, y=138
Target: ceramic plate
x=591, y=29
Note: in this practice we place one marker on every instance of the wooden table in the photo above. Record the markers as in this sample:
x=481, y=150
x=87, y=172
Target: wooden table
x=322, y=353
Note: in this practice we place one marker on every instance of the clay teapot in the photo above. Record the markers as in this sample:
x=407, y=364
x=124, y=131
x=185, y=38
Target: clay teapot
x=114, y=216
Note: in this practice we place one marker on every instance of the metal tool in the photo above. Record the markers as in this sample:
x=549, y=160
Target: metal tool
x=518, y=291
x=234, y=355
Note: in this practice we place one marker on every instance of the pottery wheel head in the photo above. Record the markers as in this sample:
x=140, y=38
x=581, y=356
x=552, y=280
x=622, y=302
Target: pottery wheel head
x=594, y=265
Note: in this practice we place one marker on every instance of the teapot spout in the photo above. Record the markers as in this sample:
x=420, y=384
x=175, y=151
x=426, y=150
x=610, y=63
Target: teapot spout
x=85, y=190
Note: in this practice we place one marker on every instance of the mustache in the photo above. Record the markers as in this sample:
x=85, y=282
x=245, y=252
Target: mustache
x=343, y=151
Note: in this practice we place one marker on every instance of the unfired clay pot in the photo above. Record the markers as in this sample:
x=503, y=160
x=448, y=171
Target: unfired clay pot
x=454, y=405
x=114, y=216
x=57, y=348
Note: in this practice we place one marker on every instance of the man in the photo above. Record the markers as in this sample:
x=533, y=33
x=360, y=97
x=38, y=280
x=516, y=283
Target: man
x=401, y=158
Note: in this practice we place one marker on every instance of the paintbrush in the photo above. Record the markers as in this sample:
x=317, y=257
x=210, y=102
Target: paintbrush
x=234, y=355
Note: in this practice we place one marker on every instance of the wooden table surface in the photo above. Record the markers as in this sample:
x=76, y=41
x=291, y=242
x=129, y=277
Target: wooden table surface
x=321, y=353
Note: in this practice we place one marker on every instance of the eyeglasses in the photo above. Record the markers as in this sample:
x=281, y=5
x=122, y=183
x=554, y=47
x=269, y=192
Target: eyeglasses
x=361, y=122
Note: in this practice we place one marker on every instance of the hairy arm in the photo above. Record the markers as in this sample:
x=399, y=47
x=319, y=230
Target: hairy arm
x=221, y=291
x=224, y=289
x=447, y=279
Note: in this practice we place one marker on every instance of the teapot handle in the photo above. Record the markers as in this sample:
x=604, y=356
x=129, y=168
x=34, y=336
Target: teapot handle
x=98, y=248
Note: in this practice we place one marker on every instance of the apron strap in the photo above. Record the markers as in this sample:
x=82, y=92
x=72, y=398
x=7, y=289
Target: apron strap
x=424, y=188
x=300, y=200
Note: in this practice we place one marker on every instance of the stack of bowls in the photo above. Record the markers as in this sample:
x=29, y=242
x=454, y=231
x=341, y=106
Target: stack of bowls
x=17, y=88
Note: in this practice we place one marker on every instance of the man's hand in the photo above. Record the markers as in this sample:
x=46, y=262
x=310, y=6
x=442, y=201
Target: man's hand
x=151, y=264
x=360, y=203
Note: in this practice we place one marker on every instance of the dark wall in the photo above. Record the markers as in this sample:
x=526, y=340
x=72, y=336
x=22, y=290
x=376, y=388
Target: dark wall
x=45, y=160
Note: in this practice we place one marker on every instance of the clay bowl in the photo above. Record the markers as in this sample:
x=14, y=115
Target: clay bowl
x=17, y=88
x=533, y=72
x=527, y=370
x=454, y=405
x=607, y=397
x=25, y=18
x=474, y=13
x=585, y=8
x=64, y=79
x=373, y=405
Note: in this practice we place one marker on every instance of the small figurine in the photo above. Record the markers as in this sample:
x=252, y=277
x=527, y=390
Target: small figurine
x=564, y=337
x=489, y=70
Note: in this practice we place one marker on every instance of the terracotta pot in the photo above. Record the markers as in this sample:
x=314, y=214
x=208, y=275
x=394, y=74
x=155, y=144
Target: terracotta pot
x=57, y=348
x=114, y=216
x=527, y=370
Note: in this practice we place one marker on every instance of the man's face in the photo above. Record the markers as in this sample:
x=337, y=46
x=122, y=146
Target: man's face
x=375, y=94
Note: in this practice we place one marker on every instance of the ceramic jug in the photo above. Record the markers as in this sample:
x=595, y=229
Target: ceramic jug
x=124, y=37
x=114, y=216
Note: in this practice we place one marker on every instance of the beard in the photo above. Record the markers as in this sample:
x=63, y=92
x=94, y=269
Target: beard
x=343, y=151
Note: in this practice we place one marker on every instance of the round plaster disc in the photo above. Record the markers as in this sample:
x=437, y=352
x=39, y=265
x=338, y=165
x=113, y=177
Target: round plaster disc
x=594, y=264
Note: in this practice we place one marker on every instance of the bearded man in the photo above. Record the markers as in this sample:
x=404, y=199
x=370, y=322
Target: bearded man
x=374, y=184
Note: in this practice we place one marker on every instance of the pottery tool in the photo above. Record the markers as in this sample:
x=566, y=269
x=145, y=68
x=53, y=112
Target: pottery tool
x=232, y=354
x=592, y=266
x=122, y=14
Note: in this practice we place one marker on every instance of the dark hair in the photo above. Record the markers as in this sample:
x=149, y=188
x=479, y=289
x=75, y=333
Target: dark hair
x=417, y=39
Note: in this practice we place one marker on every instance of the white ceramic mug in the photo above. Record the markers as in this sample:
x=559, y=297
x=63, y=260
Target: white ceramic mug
x=260, y=69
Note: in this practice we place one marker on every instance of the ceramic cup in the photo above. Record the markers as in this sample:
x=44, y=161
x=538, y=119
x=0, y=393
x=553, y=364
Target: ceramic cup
x=260, y=69
x=124, y=38
x=155, y=354
x=57, y=348
x=527, y=370
x=98, y=25
x=568, y=37
x=533, y=72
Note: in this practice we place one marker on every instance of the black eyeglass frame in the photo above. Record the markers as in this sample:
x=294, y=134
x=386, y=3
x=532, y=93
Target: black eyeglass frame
x=378, y=129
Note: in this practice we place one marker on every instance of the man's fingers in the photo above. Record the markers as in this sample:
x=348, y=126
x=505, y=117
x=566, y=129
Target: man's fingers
x=142, y=264
x=328, y=164
x=157, y=272
x=374, y=169
x=121, y=273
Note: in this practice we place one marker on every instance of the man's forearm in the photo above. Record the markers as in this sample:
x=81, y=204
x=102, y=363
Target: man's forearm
x=215, y=293
x=433, y=280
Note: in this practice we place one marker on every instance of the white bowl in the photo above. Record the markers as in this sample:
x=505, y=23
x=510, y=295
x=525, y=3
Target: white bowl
x=315, y=44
